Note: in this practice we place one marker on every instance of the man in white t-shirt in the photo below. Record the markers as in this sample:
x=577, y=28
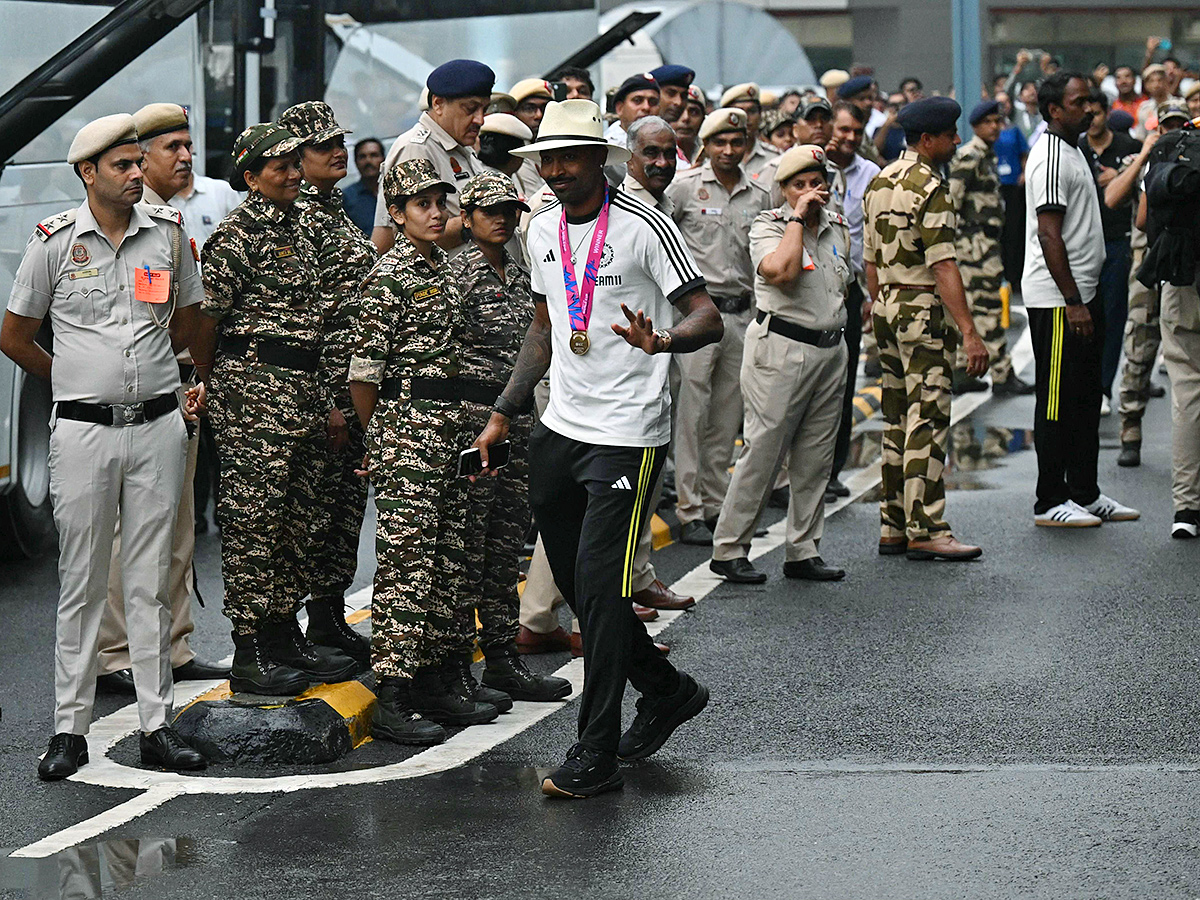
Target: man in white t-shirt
x=204, y=203
x=1064, y=253
x=605, y=269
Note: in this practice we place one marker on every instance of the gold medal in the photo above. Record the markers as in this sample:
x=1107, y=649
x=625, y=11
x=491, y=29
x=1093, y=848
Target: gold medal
x=580, y=343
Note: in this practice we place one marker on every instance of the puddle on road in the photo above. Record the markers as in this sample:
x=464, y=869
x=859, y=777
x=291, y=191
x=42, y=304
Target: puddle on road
x=93, y=871
x=974, y=449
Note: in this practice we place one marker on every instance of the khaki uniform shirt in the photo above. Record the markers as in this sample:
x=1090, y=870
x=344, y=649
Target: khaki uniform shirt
x=909, y=222
x=428, y=140
x=527, y=180
x=108, y=345
x=816, y=299
x=634, y=188
x=716, y=226
x=759, y=158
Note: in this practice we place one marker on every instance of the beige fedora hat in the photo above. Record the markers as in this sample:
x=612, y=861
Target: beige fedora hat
x=572, y=123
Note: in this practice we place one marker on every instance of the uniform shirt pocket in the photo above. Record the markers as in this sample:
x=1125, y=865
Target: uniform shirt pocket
x=86, y=297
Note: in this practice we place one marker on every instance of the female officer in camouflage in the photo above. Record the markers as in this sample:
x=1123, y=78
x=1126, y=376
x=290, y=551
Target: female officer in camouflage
x=256, y=354
x=402, y=380
x=344, y=258
x=496, y=311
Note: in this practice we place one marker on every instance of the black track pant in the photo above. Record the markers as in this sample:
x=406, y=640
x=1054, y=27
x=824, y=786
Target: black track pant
x=1066, y=417
x=591, y=503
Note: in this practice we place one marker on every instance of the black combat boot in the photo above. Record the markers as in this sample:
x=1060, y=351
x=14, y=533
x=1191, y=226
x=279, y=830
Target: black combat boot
x=435, y=699
x=458, y=675
x=292, y=648
x=256, y=670
x=506, y=671
x=394, y=718
x=327, y=627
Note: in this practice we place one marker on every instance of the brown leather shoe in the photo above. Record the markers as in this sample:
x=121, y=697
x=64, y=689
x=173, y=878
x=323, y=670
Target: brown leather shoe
x=557, y=641
x=577, y=645
x=659, y=596
x=893, y=546
x=945, y=547
x=645, y=613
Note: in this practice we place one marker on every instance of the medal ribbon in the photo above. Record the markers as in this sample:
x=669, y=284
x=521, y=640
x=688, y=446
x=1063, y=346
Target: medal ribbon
x=579, y=301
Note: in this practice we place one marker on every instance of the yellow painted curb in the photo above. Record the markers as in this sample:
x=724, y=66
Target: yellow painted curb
x=352, y=701
x=660, y=532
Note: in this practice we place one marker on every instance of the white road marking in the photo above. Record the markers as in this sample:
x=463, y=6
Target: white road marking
x=458, y=750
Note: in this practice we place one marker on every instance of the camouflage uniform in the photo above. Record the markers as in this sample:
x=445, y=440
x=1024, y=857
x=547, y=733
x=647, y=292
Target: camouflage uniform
x=496, y=314
x=268, y=421
x=909, y=226
x=344, y=258
x=406, y=330
x=1142, y=338
x=975, y=189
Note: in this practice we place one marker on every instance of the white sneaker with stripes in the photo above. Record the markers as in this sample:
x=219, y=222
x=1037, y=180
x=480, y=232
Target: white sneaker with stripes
x=1066, y=515
x=1109, y=510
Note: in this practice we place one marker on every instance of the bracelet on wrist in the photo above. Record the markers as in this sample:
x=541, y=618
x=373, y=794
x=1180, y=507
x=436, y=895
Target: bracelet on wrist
x=505, y=407
x=664, y=340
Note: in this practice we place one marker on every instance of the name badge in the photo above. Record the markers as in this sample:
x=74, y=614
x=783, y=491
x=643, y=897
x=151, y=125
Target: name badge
x=425, y=293
x=83, y=273
x=284, y=252
x=712, y=210
x=152, y=285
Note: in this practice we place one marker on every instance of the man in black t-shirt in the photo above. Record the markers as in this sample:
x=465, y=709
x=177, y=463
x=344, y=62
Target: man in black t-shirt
x=1109, y=152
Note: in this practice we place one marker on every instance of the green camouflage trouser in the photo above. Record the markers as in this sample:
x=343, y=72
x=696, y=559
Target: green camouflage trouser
x=983, y=300
x=269, y=426
x=341, y=501
x=1142, y=338
x=420, y=533
x=497, y=522
x=916, y=346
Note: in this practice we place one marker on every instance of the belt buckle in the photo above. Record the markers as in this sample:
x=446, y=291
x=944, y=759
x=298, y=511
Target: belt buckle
x=829, y=339
x=128, y=414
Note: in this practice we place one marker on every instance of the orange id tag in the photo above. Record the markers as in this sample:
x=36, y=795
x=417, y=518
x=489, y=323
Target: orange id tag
x=152, y=285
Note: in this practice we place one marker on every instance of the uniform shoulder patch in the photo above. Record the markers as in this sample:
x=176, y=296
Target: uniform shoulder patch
x=56, y=222
x=419, y=135
x=839, y=219
x=170, y=213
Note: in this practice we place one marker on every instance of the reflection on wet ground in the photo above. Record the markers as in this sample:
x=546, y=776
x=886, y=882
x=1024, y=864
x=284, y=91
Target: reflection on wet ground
x=973, y=449
x=94, y=870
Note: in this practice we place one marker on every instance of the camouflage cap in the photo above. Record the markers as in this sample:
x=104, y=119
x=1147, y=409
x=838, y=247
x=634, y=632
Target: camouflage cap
x=264, y=139
x=773, y=119
x=490, y=189
x=409, y=177
x=313, y=122
x=1172, y=108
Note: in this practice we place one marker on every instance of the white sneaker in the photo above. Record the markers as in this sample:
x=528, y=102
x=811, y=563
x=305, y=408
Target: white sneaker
x=1109, y=510
x=1067, y=515
x=1105, y=406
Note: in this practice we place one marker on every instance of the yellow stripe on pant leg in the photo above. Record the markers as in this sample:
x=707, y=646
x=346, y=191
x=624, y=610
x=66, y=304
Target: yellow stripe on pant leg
x=1056, y=342
x=635, y=519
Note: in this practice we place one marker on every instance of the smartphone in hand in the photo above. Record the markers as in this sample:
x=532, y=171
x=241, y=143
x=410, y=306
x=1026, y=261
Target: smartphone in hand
x=470, y=461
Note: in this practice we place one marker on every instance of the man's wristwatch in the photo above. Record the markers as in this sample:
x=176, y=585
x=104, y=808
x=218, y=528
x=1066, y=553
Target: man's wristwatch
x=505, y=407
x=664, y=340
x=1074, y=300
x=791, y=219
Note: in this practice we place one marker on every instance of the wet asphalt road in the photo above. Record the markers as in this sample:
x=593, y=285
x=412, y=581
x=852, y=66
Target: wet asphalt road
x=1020, y=726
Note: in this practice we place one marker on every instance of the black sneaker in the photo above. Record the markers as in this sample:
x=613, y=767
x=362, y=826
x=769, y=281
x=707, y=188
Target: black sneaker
x=585, y=773
x=658, y=717
x=1186, y=525
x=1012, y=386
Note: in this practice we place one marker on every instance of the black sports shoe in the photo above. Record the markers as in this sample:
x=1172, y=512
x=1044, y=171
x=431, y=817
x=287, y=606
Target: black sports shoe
x=1186, y=525
x=585, y=773
x=67, y=752
x=739, y=571
x=658, y=717
x=1013, y=386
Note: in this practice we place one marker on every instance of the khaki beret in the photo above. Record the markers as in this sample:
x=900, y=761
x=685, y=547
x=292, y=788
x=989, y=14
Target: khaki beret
x=769, y=98
x=531, y=87
x=154, y=119
x=747, y=91
x=506, y=123
x=102, y=134
x=728, y=118
x=834, y=78
x=799, y=159
x=1155, y=69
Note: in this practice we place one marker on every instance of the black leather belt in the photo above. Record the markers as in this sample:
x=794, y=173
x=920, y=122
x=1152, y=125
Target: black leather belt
x=452, y=389
x=118, y=414
x=272, y=352
x=800, y=333
x=732, y=304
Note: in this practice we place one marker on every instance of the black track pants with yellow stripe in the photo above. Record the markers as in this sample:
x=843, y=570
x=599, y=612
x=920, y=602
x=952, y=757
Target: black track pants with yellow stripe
x=591, y=503
x=1066, y=420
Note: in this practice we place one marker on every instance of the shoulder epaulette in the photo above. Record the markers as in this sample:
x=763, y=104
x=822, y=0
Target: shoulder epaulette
x=170, y=213
x=839, y=219
x=419, y=134
x=47, y=227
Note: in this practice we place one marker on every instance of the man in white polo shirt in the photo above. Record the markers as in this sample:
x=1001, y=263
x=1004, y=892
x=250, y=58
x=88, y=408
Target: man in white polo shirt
x=1064, y=252
x=605, y=269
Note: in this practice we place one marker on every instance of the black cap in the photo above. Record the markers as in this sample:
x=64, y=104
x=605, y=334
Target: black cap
x=932, y=115
x=461, y=78
x=679, y=76
x=642, y=82
x=982, y=110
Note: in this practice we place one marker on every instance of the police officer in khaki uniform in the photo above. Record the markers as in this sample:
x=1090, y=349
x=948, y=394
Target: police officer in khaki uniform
x=166, y=143
x=459, y=94
x=793, y=372
x=748, y=98
x=530, y=96
x=715, y=204
x=121, y=302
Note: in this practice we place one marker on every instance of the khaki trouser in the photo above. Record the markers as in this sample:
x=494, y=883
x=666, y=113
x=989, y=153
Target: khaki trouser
x=1181, y=350
x=97, y=471
x=793, y=395
x=708, y=421
x=114, y=642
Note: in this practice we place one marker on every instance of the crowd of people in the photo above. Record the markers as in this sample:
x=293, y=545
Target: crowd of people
x=528, y=308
